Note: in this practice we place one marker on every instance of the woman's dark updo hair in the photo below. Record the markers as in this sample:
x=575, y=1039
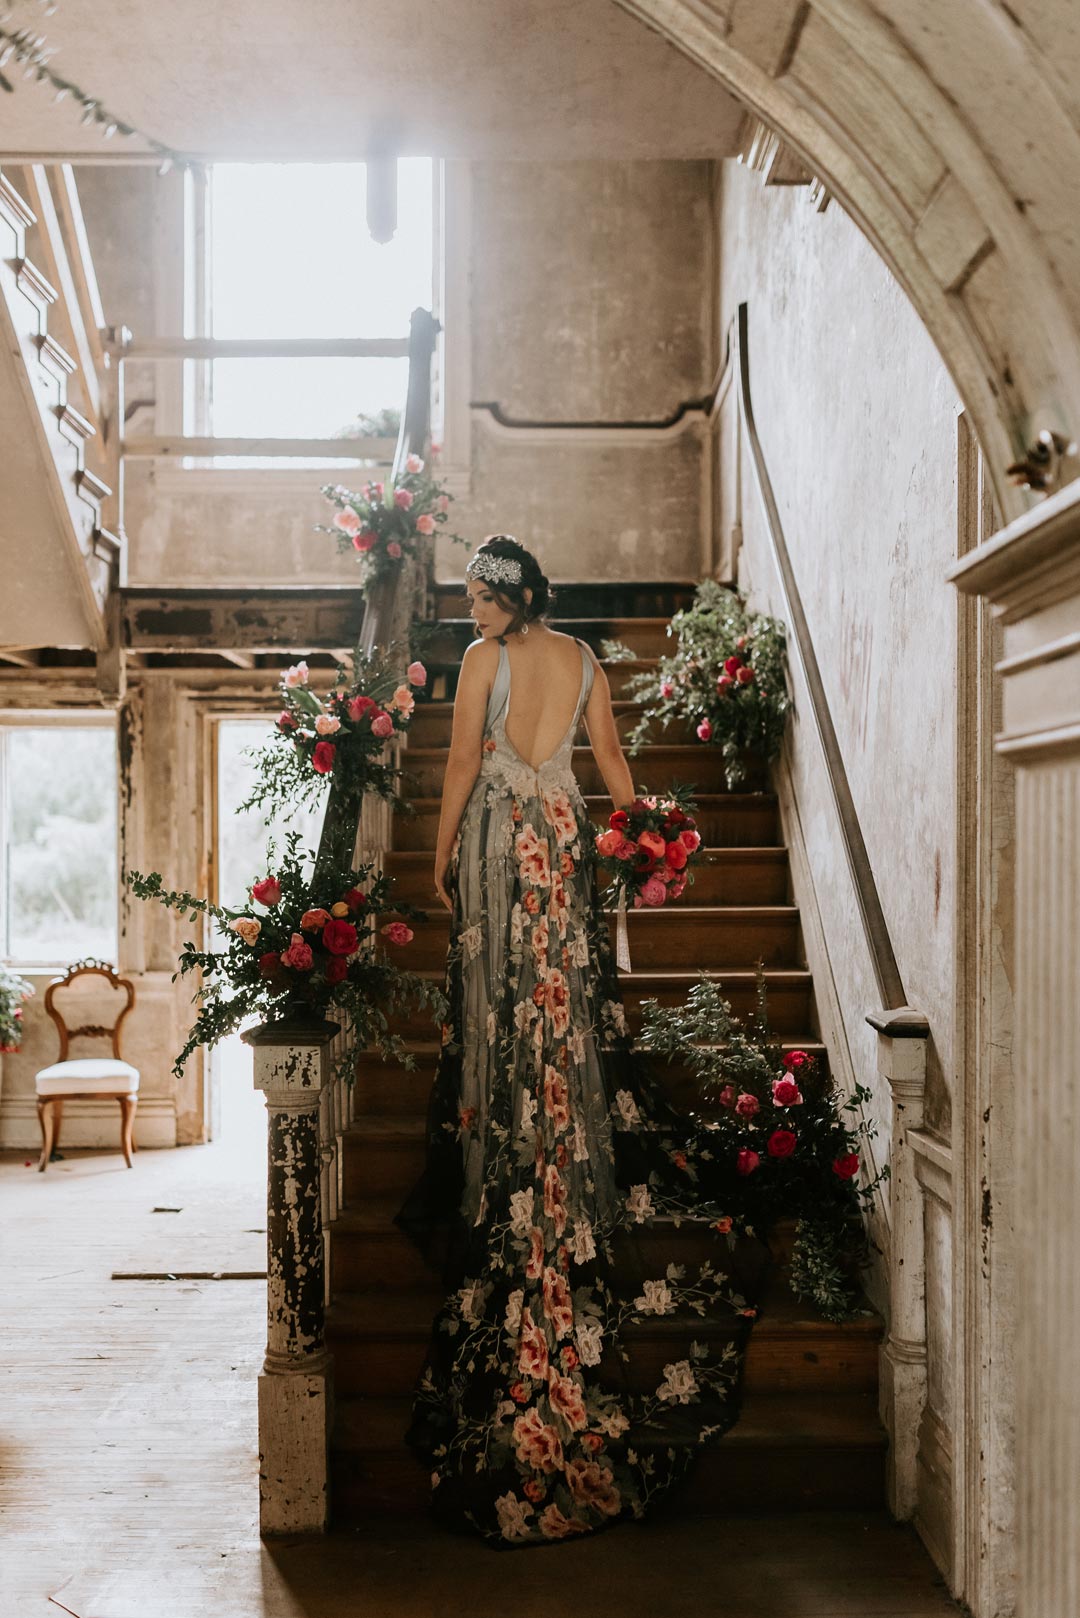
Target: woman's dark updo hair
x=511, y=597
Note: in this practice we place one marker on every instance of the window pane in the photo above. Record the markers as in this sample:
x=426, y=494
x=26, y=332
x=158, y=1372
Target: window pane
x=304, y=398
x=61, y=846
x=241, y=850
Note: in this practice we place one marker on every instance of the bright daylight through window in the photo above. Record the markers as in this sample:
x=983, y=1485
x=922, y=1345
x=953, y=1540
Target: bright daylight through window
x=58, y=896
x=292, y=257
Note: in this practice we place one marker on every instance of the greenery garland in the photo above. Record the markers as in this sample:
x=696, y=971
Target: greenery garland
x=13, y=991
x=784, y=1130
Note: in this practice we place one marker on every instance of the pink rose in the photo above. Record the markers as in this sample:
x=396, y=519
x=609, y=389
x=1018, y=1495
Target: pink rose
x=666, y=688
x=727, y=1096
x=677, y=889
x=382, y=725
x=285, y=721
x=347, y=521
x=393, y=549
x=747, y=1105
x=396, y=932
x=704, y=731
x=425, y=524
x=403, y=699
x=297, y=675
x=846, y=1166
x=364, y=541
x=627, y=849
x=339, y=937
x=786, y=1093
x=690, y=840
x=724, y=684
x=607, y=842
x=746, y=1162
x=402, y=499
x=416, y=674
x=327, y=724
x=359, y=706
x=267, y=892
x=298, y=955
x=782, y=1143
x=322, y=759
x=414, y=464
x=653, y=892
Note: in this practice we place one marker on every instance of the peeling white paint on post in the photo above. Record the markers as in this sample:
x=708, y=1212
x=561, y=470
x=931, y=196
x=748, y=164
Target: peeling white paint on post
x=292, y=1068
x=902, y=1037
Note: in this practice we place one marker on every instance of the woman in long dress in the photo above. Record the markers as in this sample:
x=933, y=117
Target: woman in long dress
x=552, y=1151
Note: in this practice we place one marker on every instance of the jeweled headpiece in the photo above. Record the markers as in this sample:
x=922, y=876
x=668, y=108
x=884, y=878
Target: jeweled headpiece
x=494, y=568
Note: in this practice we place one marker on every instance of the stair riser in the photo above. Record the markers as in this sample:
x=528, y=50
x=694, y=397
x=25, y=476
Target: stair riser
x=810, y=1365
x=658, y=768
x=657, y=938
x=387, y=1262
x=749, y=822
x=727, y=1481
x=577, y=599
x=755, y=880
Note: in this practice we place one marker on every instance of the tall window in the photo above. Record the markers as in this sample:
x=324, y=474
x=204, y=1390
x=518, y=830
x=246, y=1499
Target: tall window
x=58, y=794
x=291, y=256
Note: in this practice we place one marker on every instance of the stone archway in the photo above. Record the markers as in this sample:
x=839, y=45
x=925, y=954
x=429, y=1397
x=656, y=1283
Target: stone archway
x=951, y=134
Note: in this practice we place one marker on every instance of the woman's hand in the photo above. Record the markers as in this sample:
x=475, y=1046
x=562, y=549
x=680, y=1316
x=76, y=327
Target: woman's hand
x=442, y=866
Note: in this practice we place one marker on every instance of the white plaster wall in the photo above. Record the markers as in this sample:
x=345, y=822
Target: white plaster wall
x=857, y=419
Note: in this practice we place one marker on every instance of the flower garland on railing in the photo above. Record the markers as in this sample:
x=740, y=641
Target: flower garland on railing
x=727, y=682
x=14, y=990
x=782, y=1128
x=342, y=733
x=302, y=949
x=384, y=526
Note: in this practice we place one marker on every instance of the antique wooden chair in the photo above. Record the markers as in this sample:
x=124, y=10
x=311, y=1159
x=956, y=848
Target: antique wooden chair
x=74, y=1079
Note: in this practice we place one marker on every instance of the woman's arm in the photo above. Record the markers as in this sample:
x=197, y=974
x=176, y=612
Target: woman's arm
x=604, y=739
x=463, y=761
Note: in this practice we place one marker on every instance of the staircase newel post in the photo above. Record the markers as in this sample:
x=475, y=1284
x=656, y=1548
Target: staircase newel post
x=292, y=1069
x=902, y=1037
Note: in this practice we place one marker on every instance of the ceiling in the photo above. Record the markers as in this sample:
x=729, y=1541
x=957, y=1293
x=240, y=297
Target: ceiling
x=326, y=79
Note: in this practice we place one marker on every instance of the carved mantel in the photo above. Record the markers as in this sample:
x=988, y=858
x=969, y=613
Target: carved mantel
x=1030, y=573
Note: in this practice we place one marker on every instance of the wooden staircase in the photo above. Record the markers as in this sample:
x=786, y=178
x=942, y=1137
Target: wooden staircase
x=808, y=1435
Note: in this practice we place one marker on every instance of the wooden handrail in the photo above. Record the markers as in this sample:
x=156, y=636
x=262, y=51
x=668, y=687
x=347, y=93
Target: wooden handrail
x=883, y=957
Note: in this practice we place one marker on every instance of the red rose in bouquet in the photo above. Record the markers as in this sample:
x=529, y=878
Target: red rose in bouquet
x=647, y=846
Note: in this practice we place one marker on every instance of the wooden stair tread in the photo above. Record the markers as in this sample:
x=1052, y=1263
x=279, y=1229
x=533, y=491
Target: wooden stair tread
x=430, y=1047
x=370, y=1425
x=739, y=855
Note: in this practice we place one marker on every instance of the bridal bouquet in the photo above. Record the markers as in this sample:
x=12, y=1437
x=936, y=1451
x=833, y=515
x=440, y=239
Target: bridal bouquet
x=727, y=681
x=383, y=525
x=341, y=733
x=647, y=848
x=13, y=991
x=781, y=1128
x=300, y=951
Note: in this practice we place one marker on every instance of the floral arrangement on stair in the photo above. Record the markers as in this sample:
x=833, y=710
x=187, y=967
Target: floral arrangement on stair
x=647, y=848
x=727, y=682
x=301, y=949
x=14, y=990
x=342, y=733
x=782, y=1127
x=385, y=525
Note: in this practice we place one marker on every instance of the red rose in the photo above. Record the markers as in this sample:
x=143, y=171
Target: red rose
x=286, y=720
x=747, y=1161
x=339, y=937
x=359, y=706
x=794, y=1060
x=355, y=899
x=269, y=964
x=786, y=1093
x=745, y=675
x=337, y=967
x=267, y=892
x=847, y=1166
x=732, y=665
x=322, y=759
x=782, y=1143
x=675, y=854
x=618, y=819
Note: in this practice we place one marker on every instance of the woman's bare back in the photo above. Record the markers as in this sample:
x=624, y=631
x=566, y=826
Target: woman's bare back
x=545, y=683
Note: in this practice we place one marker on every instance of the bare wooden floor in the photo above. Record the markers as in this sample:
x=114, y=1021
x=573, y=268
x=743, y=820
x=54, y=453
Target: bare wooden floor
x=127, y=1448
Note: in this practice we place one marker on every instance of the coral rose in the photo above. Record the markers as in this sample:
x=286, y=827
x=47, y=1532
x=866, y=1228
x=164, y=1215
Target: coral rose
x=298, y=955
x=745, y=675
x=653, y=843
x=782, y=1143
x=339, y=937
x=704, y=731
x=608, y=841
x=403, y=699
x=413, y=463
x=689, y=839
x=396, y=932
x=348, y=521
x=312, y=920
x=676, y=854
x=426, y=524
x=382, y=725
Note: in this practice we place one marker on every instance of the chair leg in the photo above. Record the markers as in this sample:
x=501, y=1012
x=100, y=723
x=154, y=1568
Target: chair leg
x=127, y=1126
x=48, y=1131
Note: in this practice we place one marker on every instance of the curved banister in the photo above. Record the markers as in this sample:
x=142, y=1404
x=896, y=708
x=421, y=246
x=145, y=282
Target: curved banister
x=883, y=957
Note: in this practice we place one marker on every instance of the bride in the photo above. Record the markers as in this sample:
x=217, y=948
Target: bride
x=554, y=1160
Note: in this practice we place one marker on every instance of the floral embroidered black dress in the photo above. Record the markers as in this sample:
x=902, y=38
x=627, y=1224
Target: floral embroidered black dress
x=553, y=1157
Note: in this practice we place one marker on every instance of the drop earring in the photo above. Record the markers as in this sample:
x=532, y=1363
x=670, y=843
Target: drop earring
x=524, y=629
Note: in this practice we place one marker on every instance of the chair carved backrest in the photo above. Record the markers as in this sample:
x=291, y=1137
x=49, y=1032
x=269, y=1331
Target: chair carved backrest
x=89, y=1030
